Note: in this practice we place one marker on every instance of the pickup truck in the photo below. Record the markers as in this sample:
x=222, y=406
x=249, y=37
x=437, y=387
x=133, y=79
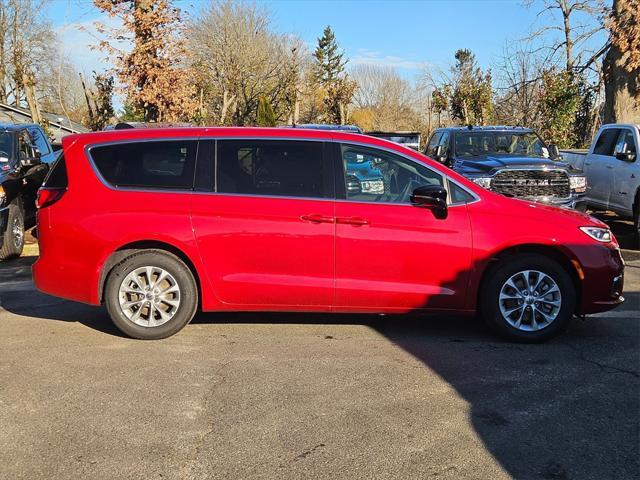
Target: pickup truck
x=25, y=156
x=613, y=171
x=513, y=161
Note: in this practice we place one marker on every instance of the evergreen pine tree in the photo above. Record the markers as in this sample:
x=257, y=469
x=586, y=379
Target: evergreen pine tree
x=329, y=63
x=266, y=116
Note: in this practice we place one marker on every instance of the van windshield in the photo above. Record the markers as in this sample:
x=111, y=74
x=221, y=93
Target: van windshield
x=5, y=147
x=484, y=144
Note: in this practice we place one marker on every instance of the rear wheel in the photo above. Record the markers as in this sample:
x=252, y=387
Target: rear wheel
x=13, y=241
x=528, y=298
x=151, y=295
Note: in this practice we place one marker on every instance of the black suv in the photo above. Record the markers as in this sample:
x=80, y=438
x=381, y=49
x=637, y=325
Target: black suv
x=513, y=161
x=25, y=156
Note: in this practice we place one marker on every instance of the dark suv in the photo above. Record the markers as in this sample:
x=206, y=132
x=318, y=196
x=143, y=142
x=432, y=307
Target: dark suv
x=25, y=156
x=513, y=161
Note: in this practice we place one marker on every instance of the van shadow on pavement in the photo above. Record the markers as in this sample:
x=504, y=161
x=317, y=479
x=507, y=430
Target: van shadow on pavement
x=567, y=409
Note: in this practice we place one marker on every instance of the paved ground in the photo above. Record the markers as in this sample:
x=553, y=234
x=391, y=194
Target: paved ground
x=312, y=396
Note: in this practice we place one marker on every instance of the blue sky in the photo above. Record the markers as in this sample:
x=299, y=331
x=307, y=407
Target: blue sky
x=406, y=34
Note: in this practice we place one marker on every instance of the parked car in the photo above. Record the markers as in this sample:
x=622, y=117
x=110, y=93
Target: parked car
x=408, y=139
x=158, y=223
x=613, y=172
x=25, y=156
x=513, y=161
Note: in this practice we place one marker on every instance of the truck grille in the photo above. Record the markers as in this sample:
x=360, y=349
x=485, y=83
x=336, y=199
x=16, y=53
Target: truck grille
x=532, y=183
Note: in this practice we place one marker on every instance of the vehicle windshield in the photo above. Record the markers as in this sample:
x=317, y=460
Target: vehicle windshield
x=484, y=144
x=5, y=147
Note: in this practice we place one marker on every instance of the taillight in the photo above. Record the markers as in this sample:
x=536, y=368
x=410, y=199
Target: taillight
x=49, y=196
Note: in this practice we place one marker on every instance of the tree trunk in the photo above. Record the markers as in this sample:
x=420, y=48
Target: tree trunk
x=226, y=104
x=87, y=98
x=3, y=68
x=566, y=13
x=30, y=92
x=621, y=90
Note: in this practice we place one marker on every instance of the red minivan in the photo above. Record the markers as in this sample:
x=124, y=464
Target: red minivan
x=158, y=223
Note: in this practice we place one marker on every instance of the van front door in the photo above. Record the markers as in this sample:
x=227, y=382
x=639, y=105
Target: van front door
x=391, y=255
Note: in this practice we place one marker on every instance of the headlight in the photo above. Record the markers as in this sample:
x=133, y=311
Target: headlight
x=484, y=182
x=598, y=233
x=578, y=183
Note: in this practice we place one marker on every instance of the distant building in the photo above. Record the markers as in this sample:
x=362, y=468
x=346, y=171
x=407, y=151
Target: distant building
x=59, y=126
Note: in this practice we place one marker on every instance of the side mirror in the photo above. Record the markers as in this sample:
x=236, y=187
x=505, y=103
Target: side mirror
x=433, y=197
x=553, y=151
x=440, y=154
x=626, y=156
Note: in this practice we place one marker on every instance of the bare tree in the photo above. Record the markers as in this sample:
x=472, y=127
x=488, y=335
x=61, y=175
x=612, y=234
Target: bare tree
x=384, y=100
x=25, y=46
x=519, y=79
x=575, y=25
x=240, y=60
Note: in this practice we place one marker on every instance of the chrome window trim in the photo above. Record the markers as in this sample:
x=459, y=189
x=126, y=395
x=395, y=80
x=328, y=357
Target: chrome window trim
x=87, y=150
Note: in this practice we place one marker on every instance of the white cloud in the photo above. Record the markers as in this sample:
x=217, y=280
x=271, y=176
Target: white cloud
x=371, y=57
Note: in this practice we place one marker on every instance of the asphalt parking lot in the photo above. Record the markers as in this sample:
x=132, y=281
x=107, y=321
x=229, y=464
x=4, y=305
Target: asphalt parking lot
x=313, y=396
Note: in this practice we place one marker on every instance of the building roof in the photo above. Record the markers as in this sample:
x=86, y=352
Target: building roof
x=22, y=115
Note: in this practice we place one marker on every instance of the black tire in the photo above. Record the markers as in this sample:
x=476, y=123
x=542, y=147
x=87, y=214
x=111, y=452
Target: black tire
x=13, y=241
x=498, y=276
x=636, y=221
x=168, y=262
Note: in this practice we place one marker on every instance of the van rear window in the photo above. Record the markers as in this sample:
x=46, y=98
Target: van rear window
x=163, y=164
x=57, y=176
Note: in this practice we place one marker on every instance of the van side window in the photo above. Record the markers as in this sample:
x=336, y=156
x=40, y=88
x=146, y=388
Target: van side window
x=57, y=176
x=606, y=142
x=373, y=175
x=163, y=164
x=272, y=167
x=458, y=194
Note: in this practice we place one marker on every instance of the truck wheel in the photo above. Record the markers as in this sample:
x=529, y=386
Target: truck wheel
x=528, y=298
x=151, y=295
x=13, y=236
x=636, y=221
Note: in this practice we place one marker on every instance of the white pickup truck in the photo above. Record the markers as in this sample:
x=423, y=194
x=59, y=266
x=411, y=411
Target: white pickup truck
x=612, y=169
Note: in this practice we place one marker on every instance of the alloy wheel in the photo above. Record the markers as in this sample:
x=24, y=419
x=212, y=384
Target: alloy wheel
x=149, y=296
x=530, y=300
x=17, y=230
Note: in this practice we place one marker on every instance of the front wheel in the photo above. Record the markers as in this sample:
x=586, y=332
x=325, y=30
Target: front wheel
x=528, y=298
x=151, y=295
x=13, y=241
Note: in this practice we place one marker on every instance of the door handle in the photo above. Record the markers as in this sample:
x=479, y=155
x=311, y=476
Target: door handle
x=587, y=163
x=355, y=221
x=609, y=166
x=317, y=218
